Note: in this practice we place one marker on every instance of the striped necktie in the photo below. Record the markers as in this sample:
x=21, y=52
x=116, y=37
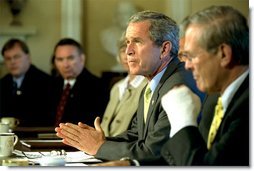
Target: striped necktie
x=147, y=98
x=218, y=116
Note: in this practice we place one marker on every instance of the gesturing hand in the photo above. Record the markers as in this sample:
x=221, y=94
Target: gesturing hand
x=82, y=136
x=182, y=107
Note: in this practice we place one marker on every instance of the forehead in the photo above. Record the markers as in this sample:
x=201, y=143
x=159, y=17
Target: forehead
x=192, y=35
x=16, y=47
x=138, y=29
x=66, y=49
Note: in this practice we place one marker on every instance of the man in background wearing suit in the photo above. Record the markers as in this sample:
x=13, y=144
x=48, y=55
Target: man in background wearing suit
x=217, y=52
x=152, y=48
x=87, y=97
x=25, y=90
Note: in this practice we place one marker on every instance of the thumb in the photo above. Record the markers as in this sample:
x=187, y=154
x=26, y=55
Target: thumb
x=97, y=124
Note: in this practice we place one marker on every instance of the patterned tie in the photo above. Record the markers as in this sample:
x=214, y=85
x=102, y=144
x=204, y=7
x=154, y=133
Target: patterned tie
x=62, y=103
x=147, y=98
x=215, y=123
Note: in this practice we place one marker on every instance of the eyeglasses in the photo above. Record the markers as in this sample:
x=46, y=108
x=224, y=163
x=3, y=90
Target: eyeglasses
x=35, y=155
x=183, y=56
x=14, y=58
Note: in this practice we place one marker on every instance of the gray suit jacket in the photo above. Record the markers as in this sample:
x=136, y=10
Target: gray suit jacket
x=142, y=141
x=119, y=113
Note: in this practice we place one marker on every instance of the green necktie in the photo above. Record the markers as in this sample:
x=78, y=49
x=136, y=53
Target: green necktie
x=215, y=123
x=147, y=98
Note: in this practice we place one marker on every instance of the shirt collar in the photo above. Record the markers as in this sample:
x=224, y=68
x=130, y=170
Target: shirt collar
x=134, y=83
x=19, y=80
x=71, y=82
x=231, y=90
x=155, y=81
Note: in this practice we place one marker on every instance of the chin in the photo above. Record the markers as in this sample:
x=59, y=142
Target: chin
x=201, y=88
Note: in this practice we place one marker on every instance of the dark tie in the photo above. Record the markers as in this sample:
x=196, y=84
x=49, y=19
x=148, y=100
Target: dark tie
x=62, y=103
x=14, y=87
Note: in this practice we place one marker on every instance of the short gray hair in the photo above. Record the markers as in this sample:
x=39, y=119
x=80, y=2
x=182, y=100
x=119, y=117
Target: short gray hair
x=223, y=24
x=162, y=28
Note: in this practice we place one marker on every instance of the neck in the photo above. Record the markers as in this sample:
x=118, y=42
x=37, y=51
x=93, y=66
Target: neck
x=158, y=70
x=232, y=76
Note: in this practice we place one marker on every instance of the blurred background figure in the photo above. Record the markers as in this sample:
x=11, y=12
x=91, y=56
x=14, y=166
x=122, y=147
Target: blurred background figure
x=110, y=36
x=86, y=97
x=124, y=97
x=25, y=90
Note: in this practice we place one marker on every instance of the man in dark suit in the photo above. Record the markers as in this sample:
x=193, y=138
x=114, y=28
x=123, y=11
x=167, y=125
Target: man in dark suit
x=87, y=97
x=217, y=52
x=25, y=90
x=152, y=47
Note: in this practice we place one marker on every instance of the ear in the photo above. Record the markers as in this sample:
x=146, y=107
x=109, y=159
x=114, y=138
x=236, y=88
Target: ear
x=83, y=58
x=165, y=49
x=226, y=55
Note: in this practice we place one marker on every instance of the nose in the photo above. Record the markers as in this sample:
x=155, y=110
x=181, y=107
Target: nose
x=65, y=63
x=188, y=64
x=129, y=50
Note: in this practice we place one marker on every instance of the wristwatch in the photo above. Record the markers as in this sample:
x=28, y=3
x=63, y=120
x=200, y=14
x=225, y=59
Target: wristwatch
x=132, y=162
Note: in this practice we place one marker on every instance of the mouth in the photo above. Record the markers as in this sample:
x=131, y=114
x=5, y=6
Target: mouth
x=131, y=61
x=195, y=77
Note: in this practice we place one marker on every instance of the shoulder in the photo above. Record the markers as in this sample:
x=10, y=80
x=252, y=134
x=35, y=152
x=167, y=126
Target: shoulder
x=33, y=70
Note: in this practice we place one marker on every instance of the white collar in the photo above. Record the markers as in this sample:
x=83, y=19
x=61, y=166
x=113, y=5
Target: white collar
x=231, y=90
x=71, y=82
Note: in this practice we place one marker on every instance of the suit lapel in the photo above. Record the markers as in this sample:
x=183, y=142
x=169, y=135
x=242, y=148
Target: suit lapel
x=234, y=104
x=155, y=100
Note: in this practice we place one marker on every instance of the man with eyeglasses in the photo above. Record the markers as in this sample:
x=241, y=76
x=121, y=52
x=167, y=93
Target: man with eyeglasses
x=216, y=50
x=25, y=90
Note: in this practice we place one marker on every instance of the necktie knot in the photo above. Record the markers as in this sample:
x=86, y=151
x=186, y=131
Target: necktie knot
x=148, y=92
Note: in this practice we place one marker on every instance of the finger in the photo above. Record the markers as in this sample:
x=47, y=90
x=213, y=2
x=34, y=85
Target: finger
x=70, y=128
x=85, y=126
x=57, y=129
x=72, y=143
x=70, y=134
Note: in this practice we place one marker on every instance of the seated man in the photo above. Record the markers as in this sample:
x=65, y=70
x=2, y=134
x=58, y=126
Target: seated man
x=124, y=97
x=220, y=62
x=25, y=90
x=86, y=97
x=152, y=48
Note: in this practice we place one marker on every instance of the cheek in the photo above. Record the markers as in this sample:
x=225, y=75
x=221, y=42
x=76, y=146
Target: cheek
x=207, y=74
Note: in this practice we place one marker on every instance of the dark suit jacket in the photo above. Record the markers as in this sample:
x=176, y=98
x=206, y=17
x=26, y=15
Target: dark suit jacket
x=32, y=107
x=141, y=140
x=87, y=98
x=231, y=144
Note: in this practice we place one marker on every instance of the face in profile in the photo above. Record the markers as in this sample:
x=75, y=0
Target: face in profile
x=205, y=66
x=68, y=61
x=142, y=53
x=16, y=61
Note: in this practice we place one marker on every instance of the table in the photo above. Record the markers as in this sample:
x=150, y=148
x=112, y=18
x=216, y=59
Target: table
x=42, y=134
